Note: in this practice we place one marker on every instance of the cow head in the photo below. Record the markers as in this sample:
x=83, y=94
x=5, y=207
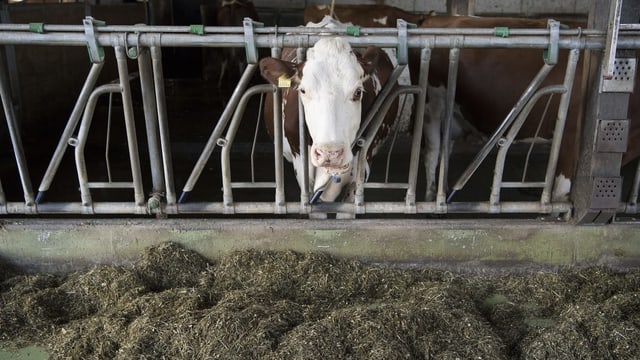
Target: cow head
x=332, y=84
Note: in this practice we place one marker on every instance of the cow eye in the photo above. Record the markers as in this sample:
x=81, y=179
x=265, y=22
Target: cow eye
x=302, y=91
x=357, y=95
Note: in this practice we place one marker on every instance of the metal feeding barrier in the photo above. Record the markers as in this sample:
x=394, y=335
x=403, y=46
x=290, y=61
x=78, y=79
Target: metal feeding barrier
x=144, y=44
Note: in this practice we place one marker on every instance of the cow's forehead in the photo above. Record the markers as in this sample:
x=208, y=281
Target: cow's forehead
x=331, y=61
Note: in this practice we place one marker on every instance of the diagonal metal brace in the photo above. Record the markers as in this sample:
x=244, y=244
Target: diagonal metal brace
x=96, y=52
x=249, y=39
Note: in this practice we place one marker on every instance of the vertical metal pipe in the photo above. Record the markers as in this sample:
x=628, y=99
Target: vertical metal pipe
x=423, y=82
x=163, y=125
x=14, y=133
x=304, y=191
x=151, y=119
x=454, y=56
x=74, y=118
x=277, y=144
x=558, y=131
x=217, y=131
x=127, y=104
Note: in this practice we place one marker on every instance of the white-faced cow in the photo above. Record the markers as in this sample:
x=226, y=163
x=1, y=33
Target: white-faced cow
x=489, y=83
x=337, y=86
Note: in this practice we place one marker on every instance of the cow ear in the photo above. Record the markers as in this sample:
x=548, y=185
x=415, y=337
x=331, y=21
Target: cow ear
x=369, y=59
x=271, y=69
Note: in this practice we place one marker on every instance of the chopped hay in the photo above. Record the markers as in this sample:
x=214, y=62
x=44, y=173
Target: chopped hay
x=174, y=303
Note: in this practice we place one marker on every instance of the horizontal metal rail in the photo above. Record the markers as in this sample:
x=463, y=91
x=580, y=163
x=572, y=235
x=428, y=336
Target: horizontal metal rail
x=147, y=36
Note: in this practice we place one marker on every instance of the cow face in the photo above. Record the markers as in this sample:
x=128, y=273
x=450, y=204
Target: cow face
x=331, y=85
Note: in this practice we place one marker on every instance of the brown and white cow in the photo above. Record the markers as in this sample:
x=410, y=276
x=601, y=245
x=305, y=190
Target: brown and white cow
x=337, y=86
x=489, y=83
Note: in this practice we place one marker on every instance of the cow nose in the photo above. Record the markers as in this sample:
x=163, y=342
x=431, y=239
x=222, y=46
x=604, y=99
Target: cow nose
x=328, y=155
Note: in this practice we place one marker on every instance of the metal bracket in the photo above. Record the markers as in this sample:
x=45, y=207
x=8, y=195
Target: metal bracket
x=249, y=40
x=551, y=53
x=622, y=76
x=606, y=192
x=96, y=52
x=612, y=136
x=402, y=50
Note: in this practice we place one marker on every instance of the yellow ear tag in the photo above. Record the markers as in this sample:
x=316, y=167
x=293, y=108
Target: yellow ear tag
x=284, y=81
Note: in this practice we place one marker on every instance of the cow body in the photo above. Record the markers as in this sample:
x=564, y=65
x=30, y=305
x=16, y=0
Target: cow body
x=362, y=15
x=490, y=82
x=337, y=86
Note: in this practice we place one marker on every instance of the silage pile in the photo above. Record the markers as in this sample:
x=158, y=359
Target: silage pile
x=253, y=304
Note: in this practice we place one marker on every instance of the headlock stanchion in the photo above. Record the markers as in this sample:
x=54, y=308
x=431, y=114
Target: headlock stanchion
x=144, y=44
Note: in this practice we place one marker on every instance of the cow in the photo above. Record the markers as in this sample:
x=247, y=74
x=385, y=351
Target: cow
x=489, y=83
x=337, y=86
x=362, y=15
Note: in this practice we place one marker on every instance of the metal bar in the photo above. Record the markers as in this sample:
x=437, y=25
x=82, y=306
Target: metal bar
x=558, y=130
x=522, y=184
x=386, y=185
x=611, y=41
x=493, y=140
x=128, y=208
x=163, y=125
x=443, y=182
x=110, y=185
x=368, y=140
x=254, y=185
x=14, y=133
x=151, y=120
x=225, y=156
x=81, y=141
x=74, y=118
x=380, y=98
x=418, y=124
x=304, y=157
x=127, y=104
x=295, y=30
x=217, y=132
x=416, y=39
x=506, y=142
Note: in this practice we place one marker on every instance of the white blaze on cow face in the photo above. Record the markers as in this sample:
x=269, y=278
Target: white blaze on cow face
x=331, y=89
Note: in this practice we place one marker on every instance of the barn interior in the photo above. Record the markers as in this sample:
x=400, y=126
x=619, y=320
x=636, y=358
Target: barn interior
x=251, y=277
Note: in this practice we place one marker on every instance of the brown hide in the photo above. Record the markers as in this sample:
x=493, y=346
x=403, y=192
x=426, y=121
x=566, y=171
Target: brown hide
x=362, y=15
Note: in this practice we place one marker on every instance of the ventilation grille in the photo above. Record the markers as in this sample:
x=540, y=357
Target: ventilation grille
x=624, y=73
x=612, y=136
x=606, y=192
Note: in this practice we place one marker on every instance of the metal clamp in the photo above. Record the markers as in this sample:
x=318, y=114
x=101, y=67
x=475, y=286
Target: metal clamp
x=402, y=50
x=96, y=52
x=36, y=27
x=551, y=53
x=249, y=40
